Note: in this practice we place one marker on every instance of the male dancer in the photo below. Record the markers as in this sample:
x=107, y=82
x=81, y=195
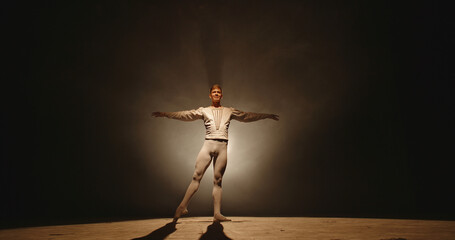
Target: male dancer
x=216, y=120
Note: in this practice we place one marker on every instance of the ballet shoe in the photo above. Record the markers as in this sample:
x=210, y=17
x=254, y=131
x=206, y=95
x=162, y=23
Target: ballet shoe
x=220, y=218
x=179, y=213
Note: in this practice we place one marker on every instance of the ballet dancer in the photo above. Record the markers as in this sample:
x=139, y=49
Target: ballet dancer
x=216, y=120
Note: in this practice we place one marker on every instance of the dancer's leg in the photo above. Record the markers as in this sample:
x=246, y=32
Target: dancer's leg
x=219, y=166
x=202, y=162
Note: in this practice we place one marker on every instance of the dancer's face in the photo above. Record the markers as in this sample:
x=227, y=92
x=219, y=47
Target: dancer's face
x=216, y=95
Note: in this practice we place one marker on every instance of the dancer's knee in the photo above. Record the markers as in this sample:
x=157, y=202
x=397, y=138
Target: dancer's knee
x=217, y=180
x=197, y=176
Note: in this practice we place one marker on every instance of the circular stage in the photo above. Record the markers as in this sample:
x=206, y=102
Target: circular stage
x=245, y=228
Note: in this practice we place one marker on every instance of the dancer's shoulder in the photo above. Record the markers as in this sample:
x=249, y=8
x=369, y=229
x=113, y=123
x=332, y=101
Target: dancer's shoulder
x=211, y=107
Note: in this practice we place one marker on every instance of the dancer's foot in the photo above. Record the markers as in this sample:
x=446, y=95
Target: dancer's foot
x=179, y=212
x=218, y=217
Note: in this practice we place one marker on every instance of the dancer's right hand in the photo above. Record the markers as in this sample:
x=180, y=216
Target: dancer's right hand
x=158, y=114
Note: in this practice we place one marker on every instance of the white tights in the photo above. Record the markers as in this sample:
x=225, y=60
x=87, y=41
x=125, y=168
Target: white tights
x=215, y=150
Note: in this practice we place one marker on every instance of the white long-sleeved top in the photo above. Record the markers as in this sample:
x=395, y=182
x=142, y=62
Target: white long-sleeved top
x=216, y=120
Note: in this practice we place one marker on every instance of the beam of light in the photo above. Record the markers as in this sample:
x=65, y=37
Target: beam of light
x=259, y=72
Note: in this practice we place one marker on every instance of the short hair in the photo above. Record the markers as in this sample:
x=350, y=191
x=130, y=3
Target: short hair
x=216, y=86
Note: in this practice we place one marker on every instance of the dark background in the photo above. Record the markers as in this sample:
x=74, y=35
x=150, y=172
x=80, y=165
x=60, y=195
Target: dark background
x=362, y=88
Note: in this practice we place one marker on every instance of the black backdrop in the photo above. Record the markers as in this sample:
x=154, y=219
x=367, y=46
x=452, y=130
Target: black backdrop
x=367, y=116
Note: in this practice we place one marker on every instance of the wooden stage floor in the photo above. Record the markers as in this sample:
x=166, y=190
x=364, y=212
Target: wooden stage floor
x=245, y=228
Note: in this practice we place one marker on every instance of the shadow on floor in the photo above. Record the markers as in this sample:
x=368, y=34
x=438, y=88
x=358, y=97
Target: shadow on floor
x=215, y=231
x=160, y=233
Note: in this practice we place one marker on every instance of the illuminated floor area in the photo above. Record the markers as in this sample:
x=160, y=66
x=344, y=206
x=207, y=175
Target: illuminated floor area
x=246, y=228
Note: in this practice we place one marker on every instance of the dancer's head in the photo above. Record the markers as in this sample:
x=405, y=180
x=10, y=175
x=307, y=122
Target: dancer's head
x=215, y=86
x=216, y=93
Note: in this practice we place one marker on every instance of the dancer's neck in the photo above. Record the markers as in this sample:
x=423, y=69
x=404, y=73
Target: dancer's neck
x=216, y=104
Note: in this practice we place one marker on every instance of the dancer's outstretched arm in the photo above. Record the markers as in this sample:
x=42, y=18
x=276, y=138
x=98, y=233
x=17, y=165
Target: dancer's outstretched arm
x=251, y=117
x=189, y=115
